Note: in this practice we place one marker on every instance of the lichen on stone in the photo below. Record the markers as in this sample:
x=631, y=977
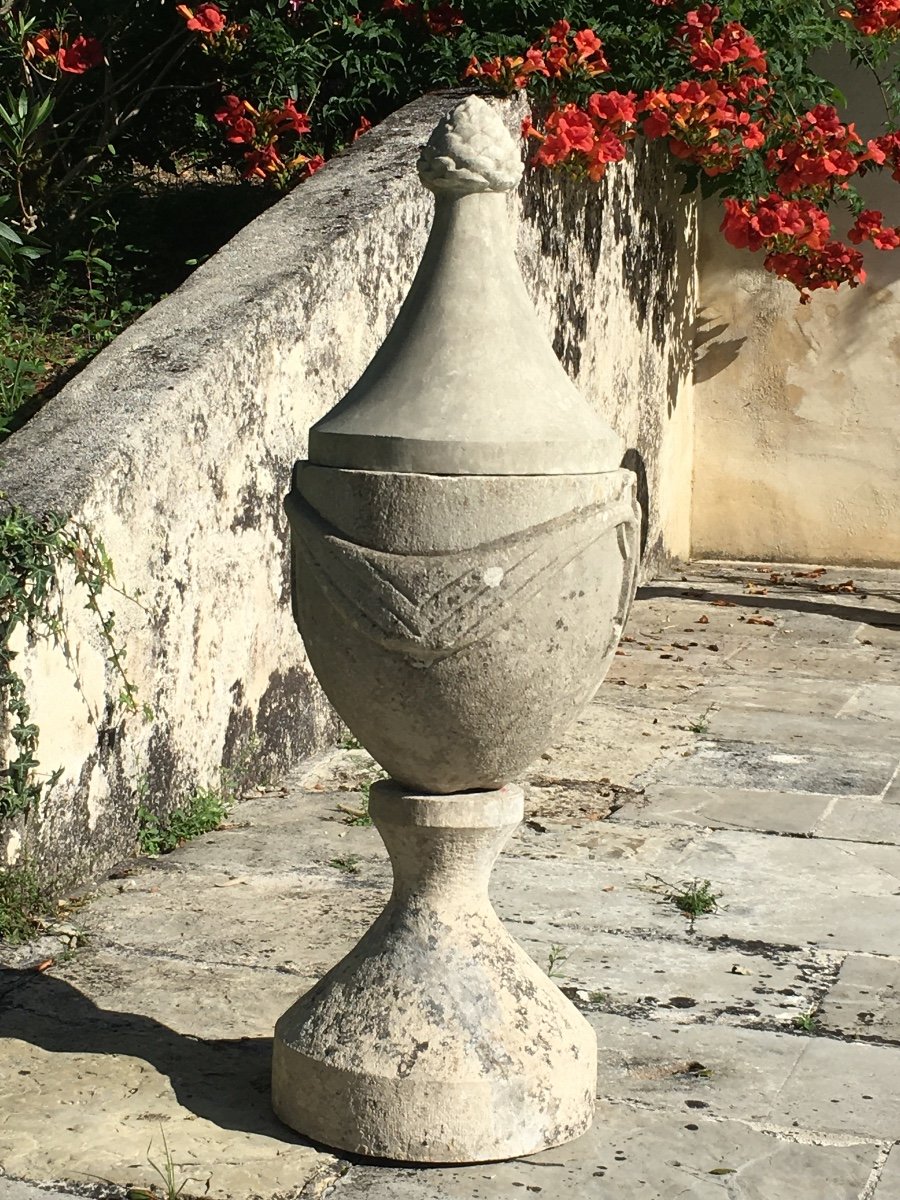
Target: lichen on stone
x=471, y=150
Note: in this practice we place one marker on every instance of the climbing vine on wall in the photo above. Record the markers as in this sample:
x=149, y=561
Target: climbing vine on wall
x=33, y=553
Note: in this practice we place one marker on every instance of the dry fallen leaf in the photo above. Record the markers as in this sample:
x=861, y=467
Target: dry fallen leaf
x=704, y=620
x=759, y=621
x=725, y=603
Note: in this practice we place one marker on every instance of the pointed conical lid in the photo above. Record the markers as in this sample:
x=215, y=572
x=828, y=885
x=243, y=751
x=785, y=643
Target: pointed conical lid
x=466, y=383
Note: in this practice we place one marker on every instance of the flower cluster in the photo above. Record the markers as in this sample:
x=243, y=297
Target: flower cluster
x=219, y=35
x=712, y=121
x=585, y=140
x=823, y=151
x=559, y=53
x=795, y=235
x=771, y=222
x=261, y=131
x=713, y=50
x=73, y=56
x=872, y=17
x=828, y=268
x=208, y=19
x=441, y=18
x=870, y=227
x=703, y=124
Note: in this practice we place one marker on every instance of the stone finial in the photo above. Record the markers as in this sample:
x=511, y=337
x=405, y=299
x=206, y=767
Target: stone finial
x=470, y=151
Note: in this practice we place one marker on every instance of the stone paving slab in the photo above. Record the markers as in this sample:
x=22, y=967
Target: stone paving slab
x=874, y=702
x=632, y=1154
x=761, y=1040
x=865, y=999
x=889, y=1177
x=803, y=730
x=685, y=980
x=840, y=1087
x=806, y=695
x=856, y=820
x=771, y=766
x=784, y=891
x=731, y=808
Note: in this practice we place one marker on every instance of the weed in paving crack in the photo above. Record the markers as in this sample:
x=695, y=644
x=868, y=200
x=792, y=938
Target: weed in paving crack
x=808, y=1021
x=701, y=723
x=170, y=1189
x=349, y=864
x=693, y=897
x=557, y=956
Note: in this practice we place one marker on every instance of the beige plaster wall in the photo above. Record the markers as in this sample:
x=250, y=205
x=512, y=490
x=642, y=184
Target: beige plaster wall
x=176, y=444
x=797, y=452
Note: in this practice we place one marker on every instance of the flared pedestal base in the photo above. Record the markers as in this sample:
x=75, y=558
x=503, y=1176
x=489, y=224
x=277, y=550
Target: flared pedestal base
x=437, y=1039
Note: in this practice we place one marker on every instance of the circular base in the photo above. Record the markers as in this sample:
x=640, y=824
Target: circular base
x=434, y=1121
x=437, y=1039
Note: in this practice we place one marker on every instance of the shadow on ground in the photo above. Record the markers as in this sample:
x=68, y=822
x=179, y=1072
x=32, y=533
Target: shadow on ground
x=856, y=613
x=223, y=1080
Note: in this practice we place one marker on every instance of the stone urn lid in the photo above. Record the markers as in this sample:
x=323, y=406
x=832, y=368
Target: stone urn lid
x=466, y=382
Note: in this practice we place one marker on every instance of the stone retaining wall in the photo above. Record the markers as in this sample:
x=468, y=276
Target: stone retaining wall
x=176, y=445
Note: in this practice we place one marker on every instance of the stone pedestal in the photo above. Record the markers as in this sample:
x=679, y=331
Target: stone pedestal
x=437, y=1039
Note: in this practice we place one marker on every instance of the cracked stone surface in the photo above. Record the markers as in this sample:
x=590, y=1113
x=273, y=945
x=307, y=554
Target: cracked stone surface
x=750, y=1054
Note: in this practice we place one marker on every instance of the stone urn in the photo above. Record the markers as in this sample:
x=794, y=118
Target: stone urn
x=464, y=549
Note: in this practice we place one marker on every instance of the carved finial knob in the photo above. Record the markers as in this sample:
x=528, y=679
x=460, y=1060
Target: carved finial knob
x=470, y=151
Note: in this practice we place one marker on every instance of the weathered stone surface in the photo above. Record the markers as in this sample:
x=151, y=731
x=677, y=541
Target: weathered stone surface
x=643, y=1154
x=769, y=766
x=788, y=1081
x=688, y=981
x=728, y=808
x=19, y=1189
x=838, y=1087
x=865, y=999
x=889, y=1180
x=436, y=1039
x=802, y=694
x=875, y=702
x=857, y=820
x=807, y=732
x=463, y=635
x=783, y=890
x=111, y=1106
